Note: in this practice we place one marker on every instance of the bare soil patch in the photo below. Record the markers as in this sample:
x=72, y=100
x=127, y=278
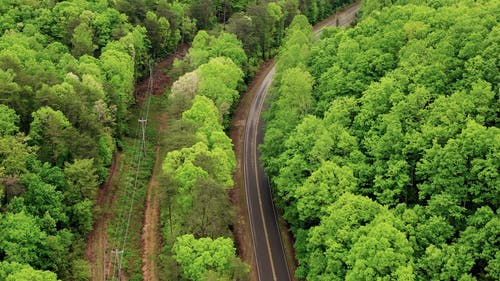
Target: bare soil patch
x=151, y=227
x=151, y=239
x=160, y=76
x=96, y=251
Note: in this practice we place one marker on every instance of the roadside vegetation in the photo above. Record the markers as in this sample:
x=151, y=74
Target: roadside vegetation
x=200, y=162
x=382, y=143
x=197, y=171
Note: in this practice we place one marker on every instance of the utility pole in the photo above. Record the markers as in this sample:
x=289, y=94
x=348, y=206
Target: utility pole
x=118, y=259
x=143, y=127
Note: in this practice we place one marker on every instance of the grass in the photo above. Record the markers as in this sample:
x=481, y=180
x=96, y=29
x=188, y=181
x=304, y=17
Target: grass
x=132, y=184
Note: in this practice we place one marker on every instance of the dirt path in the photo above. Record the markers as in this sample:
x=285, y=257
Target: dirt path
x=151, y=228
x=161, y=79
x=96, y=251
x=151, y=231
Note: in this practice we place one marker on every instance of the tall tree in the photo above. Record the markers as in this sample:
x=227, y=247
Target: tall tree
x=198, y=256
x=51, y=130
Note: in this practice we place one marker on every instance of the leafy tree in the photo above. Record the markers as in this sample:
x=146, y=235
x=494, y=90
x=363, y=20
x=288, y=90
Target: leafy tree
x=119, y=70
x=262, y=27
x=473, y=176
x=296, y=47
x=9, y=90
x=478, y=241
x=81, y=270
x=295, y=92
x=434, y=230
x=206, y=47
x=140, y=51
x=221, y=172
x=21, y=238
x=209, y=201
x=199, y=53
x=242, y=26
x=54, y=253
x=135, y=10
x=14, y=154
x=203, y=115
x=82, y=40
x=177, y=13
x=321, y=189
x=299, y=143
x=472, y=251
x=204, y=13
x=295, y=96
x=228, y=45
x=381, y=252
x=159, y=33
x=186, y=86
x=276, y=17
x=41, y=199
x=13, y=271
x=81, y=216
x=329, y=244
x=81, y=181
x=50, y=130
x=219, y=81
x=8, y=121
x=186, y=176
x=447, y=262
x=197, y=256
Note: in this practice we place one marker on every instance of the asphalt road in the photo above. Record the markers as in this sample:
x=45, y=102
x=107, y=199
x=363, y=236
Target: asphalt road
x=268, y=247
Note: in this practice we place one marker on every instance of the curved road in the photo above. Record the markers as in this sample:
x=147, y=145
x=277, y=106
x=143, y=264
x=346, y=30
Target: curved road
x=268, y=247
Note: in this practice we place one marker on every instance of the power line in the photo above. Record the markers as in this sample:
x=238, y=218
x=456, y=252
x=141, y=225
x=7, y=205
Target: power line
x=140, y=155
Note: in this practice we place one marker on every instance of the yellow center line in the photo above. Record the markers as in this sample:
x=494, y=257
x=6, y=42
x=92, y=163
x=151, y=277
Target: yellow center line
x=256, y=125
x=351, y=10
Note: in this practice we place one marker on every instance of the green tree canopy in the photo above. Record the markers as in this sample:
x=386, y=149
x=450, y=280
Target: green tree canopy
x=402, y=108
x=9, y=121
x=198, y=256
x=13, y=271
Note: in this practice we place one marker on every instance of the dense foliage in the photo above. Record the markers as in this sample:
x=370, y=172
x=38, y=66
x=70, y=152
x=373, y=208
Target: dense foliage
x=67, y=75
x=260, y=27
x=383, y=145
x=198, y=168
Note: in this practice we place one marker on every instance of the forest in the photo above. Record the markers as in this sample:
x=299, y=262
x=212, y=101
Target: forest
x=68, y=71
x=382, y=143
x=198, y=168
